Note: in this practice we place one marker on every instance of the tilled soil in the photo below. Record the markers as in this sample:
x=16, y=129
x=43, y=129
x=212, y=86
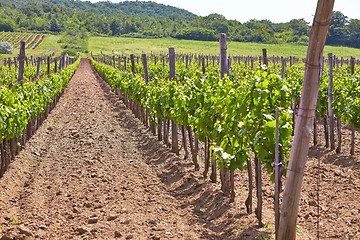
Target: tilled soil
x=92, y=171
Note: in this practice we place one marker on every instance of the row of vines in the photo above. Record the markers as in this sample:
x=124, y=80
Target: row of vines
x=231, y=110
x=25, y=104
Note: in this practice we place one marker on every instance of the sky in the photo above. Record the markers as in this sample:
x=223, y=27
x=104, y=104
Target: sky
x=273, y=10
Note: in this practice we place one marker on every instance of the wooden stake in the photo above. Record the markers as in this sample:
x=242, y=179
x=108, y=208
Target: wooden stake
x=330, y=100
x=21, y=63
x=38, y=65
x=265, y=59
x=174, y=125
x=48, y=65
x=352, y=149
x=224, y=70
x=132, y=60
x=146, y=78
x=277, y=175
x=304, y=123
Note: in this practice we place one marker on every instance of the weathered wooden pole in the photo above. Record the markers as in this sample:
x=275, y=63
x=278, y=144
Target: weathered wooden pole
x=224, y=70
x=265, y=58
x=304, y=123
x=38, y=65
x=277, y=175
x=146, y=78
x=330, y=100
x=48, y=65
x=21, y=63
x=174, y=125
x=352, y=148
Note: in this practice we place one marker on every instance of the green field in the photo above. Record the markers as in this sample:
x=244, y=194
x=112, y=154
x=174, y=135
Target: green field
x=109, y=45
x=115, y=45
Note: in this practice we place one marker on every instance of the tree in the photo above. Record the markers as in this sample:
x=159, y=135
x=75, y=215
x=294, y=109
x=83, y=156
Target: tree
x=55, y=26
x=7, y=25
x=6, y=48
x=299, y=27
x=338, y=32
x=354, y=30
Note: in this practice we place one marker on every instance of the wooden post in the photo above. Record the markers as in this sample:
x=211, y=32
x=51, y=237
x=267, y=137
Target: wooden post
x=352, y=148
x=277, y=175
x=265, y=59
x=330, y=100
x=21, y=63
x=174, y=126
x=132, y=60
x=55, y=65
x=283, y=66
x=224, y=70
x=38, y=64
x=304, y=123
x=146, y=78
x=125, y=66
x=48, y=65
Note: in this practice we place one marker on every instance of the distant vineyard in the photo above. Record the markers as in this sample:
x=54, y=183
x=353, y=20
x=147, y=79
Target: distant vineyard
x=32, y=40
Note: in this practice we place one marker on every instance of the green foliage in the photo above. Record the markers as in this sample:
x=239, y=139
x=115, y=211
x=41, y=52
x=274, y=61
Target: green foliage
x=7, y=25
x=20, y=104
x=74, y=42
x=6, y=48
x=197, y=34
x=236, y=113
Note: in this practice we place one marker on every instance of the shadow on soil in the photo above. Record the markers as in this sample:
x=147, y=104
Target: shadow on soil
x=330, y=157
x=206, y=202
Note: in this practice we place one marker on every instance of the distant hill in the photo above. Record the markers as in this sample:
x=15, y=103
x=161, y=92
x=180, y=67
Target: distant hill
x=134, y=8
x=141, y=19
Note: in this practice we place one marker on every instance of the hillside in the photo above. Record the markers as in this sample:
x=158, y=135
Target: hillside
x=138, y=8
x=76, y=20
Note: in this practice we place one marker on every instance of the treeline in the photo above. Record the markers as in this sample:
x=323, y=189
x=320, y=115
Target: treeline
x=151, y=20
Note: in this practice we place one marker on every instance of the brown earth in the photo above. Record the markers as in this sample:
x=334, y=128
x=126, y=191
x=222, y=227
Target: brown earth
x=92, y=171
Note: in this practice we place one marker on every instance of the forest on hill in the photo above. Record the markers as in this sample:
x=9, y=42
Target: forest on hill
x=151, y=20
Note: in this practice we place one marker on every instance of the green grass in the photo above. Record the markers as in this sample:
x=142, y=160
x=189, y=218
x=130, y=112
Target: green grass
x=110, y=45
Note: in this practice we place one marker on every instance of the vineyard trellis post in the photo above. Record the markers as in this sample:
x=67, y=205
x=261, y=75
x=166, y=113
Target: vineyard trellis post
x=146, y=78
x=224, y=70
x=277, y=175
x=174, y=125
x=38, y=65
x=304, y=123
x=330, y=100
x=21, y=63
x=352, y=148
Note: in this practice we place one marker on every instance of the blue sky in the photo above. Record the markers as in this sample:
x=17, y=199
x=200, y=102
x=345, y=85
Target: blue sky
x=273, y=10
